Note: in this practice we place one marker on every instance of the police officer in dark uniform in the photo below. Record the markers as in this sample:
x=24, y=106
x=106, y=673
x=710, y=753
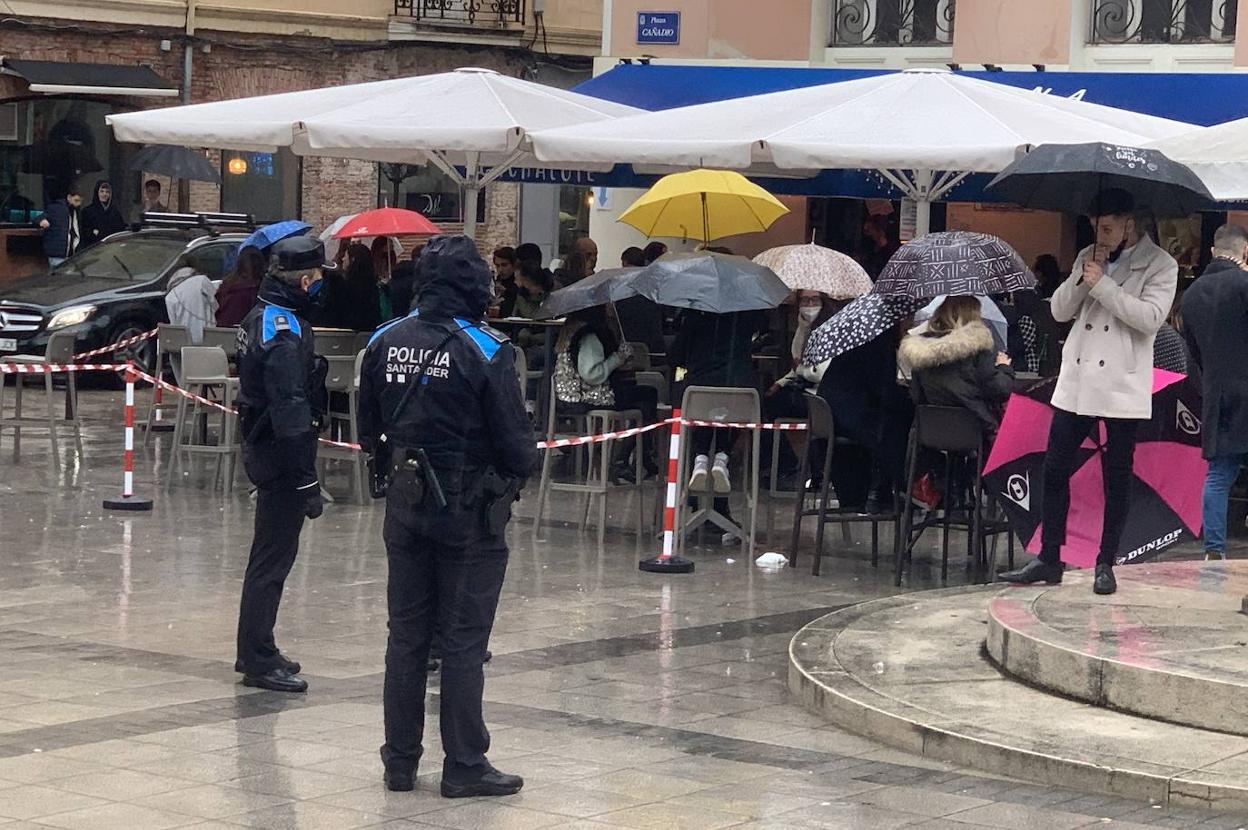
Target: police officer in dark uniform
x=281, y=402
x=441, y=413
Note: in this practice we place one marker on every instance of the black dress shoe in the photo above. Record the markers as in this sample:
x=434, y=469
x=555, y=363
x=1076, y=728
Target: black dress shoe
x=400, y=782
x=290, y=665
x=1105, y=583
x=278, y=680
x=491, y=782
x=489, y=655
x=1033, y=571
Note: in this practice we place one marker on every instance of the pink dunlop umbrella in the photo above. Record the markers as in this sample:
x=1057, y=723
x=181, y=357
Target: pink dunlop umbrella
x=1166, y=490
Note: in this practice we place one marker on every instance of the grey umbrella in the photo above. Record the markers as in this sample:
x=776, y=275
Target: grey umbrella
x=706, y=281
x=601, y=288
x=175, y=162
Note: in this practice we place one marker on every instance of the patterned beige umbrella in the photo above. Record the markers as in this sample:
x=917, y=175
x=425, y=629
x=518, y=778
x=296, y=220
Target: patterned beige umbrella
x=816, y=268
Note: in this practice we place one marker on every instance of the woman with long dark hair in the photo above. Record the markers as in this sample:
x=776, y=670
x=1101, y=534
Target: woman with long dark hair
x=360, y=307
x=238, y=290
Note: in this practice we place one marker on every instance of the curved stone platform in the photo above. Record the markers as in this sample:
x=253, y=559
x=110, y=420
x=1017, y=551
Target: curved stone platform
x=1169, y=645
x=911, y=671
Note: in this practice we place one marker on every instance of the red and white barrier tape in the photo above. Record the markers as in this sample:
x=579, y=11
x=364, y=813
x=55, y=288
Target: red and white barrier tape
x=120, y=344
x=45, y=368
x=781, y=427
x=606, y=436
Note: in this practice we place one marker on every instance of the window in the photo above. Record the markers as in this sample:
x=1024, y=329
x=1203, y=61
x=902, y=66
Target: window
x=209, y=259
x=425, y=189
x=574, y=205
x=48, y=144
x=1163, y=21
x=892, y=22
x=264, y=185
x=133, y=258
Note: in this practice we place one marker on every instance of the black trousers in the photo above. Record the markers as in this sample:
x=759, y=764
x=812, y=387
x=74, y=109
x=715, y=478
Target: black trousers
x=446, y=573
x=279, y=519
x=1065, y=436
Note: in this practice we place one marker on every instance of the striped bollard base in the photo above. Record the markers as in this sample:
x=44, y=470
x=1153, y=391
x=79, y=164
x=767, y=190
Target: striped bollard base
x=128, y=500
x=666, y=562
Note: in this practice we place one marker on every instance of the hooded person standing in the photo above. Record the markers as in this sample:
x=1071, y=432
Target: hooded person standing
x=443, y=421
x=102, y=217
x=1215, y=323
x=62, y=227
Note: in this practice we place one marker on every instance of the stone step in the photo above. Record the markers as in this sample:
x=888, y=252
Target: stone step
x=911, y=671
x=1171, y=644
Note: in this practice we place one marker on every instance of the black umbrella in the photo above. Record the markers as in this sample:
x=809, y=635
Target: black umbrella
x=707, y=281
x=175, y=162
x=954, y=262
x=857, y=324
x=601, y=288
x=1068, y=177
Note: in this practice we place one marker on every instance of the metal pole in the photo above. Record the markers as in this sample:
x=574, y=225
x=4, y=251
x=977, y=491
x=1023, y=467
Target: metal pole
x=188, y=60
x=472, y=192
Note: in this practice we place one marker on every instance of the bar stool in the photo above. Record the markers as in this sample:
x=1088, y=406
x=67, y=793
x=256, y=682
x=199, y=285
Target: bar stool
x=60, y=349
x=954, y=432
x=169, y=342
x=205, y=370
x=726, y=405
x=821, y=427
x=336, y=343
x=343, y=379
x=224, y=337
x=592, y=473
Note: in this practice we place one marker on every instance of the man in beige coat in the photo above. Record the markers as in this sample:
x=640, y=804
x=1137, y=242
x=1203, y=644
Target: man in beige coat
x=1118, y=294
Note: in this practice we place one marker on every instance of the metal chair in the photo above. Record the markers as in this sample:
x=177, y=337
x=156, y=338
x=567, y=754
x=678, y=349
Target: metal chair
x=343, y=381
x=954, y=432
x=336, y=343
x=224, y=337
x=169, y=342
x=773, y=483
x=60, y=349
x=821, y=428
x=205, y=369
x=592, y=473
x=725, y=405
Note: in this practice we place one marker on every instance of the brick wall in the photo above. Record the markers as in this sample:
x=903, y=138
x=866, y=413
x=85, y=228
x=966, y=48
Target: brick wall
x=239, y=65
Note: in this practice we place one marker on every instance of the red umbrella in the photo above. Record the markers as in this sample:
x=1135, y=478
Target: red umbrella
x=1166, y=489
x=387, y=222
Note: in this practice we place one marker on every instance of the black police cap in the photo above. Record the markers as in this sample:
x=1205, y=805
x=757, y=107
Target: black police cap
x=299, y=253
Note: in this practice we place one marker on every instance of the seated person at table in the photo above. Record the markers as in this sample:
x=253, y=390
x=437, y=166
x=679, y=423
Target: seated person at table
x=715, y=350
x=590, y=374
x=954, y=363
x=786, y=397
x=873, y=413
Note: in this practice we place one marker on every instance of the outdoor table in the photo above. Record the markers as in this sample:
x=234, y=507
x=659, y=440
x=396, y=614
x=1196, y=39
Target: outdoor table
x=548, y=350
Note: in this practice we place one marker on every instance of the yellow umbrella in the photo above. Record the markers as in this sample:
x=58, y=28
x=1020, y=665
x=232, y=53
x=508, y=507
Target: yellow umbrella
x=705, y=205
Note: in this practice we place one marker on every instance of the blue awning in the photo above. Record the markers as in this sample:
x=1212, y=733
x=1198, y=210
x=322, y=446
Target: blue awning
x=1198, y=98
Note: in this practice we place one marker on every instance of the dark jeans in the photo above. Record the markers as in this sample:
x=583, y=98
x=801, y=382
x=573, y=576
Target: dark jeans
x=446, y=572
x=1066, y=434
x=279, y=519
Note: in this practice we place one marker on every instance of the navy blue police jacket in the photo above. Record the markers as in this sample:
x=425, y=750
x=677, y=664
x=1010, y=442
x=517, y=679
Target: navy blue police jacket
x=282, y=396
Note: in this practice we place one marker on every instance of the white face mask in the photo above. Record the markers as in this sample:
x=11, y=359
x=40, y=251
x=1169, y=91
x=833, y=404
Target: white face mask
x=809, y=312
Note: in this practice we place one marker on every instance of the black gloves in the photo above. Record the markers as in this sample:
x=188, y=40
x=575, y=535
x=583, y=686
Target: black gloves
x=314, y=505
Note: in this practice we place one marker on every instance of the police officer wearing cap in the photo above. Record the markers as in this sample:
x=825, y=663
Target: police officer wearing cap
x=281, y=402
x=442, y=417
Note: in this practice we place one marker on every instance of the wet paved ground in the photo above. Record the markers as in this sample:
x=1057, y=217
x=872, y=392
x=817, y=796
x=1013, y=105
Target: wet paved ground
x=625, y=699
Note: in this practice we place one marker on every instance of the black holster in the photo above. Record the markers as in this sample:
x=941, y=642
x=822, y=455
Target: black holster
x=498, y=493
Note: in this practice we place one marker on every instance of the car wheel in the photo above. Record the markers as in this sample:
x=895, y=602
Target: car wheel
x=142, y=354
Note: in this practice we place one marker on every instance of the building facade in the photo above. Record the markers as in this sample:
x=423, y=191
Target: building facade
x=1040, y=36
x=69, y=63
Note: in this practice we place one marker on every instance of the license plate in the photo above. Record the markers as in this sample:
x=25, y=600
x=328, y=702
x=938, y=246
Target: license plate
x=8, y=344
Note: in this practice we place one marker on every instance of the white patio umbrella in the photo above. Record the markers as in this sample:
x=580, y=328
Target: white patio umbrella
x=474, y=119
x=923, y=130
x=1218, y=155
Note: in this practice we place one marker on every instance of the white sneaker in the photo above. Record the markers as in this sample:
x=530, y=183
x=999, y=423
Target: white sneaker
x=719, y=474
x=701, y=470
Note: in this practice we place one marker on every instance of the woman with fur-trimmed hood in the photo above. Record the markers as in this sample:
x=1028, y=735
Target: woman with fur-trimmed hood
x=954, y=362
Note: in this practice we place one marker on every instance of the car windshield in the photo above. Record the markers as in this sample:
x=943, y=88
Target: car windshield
x=130, y=258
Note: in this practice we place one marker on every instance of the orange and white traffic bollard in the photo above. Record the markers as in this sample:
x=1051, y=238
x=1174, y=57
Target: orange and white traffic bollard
x=667, y=561
x=128, y=500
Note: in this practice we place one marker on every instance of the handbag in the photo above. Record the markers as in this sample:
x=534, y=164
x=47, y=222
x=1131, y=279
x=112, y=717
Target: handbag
x=571, y=388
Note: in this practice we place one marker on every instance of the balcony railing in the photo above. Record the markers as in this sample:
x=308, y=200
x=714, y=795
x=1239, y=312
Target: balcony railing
x=463, y=12
x=1163, y=21
x=892, y=22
